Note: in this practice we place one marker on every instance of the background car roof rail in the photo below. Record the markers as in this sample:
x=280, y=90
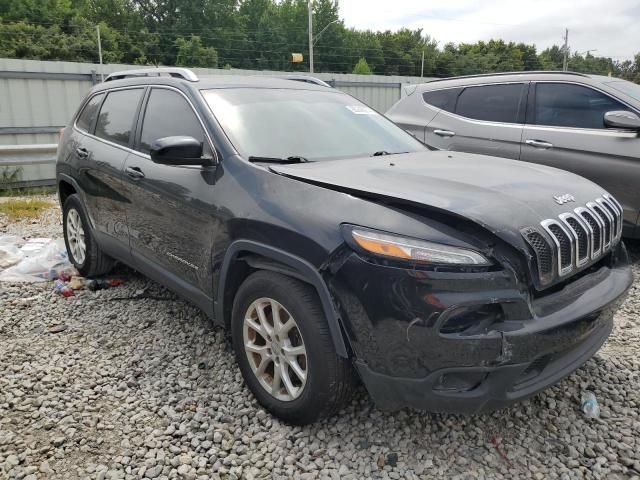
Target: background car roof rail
x=183, y=73
x=521, y=72
x=306, y=79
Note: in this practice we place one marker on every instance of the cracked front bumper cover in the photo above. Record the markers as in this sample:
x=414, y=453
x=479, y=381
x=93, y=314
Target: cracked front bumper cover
x=407, y=362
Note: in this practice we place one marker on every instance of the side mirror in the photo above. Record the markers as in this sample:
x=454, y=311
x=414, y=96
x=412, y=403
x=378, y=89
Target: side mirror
x=622, y=119
x=177, y=151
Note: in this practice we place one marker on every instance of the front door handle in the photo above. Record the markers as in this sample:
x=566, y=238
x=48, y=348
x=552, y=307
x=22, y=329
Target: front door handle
x=82, y=152
x=444, y=133
x=539, y=144
x=134, y=172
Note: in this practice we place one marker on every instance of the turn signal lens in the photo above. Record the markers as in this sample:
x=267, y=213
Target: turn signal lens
x=416, y=250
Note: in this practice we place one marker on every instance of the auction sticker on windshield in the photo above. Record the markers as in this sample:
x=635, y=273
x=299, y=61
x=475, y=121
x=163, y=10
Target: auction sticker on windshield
x=361, y=110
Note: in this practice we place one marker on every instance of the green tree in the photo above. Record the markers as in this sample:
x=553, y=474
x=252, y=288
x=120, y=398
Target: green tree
x=191, y=53
x=362, y=67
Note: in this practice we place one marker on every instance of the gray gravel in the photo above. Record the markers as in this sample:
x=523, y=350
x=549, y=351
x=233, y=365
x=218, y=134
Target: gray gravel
x=147, y=388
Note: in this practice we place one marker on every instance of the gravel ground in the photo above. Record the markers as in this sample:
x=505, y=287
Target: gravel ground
x=147, y=388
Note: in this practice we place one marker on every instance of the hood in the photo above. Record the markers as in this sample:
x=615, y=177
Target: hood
x=500, y=194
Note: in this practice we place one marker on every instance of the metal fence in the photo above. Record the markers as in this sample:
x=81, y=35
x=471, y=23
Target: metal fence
x=37, y=98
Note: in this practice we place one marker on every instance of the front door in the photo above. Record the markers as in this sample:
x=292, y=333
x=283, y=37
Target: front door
x=566, y=130
x=171, y=213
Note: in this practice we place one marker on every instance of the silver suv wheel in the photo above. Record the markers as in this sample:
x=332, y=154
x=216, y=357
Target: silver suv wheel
x=275, y=349
x=75, y=236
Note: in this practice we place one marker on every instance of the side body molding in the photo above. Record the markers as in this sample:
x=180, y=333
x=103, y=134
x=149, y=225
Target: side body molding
x=305, y=270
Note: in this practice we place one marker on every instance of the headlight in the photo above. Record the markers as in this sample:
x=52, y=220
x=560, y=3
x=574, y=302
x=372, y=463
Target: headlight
x=412, y=249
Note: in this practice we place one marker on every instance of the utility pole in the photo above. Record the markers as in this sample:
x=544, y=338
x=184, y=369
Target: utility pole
x=100, y=53
x=310, y=7
x=565, y=61
x=422, y=68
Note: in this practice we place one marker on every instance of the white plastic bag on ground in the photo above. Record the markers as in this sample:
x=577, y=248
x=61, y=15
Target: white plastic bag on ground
x=10, y=254
x=46, y=263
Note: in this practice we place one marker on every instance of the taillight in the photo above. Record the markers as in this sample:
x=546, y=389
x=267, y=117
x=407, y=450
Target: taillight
x=61, y=132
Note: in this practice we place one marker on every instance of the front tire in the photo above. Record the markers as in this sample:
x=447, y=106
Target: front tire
x=285, y=351
x=84, y=252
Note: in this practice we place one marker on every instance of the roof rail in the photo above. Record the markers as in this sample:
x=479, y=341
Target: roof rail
x=183, y=73
x=520, y=72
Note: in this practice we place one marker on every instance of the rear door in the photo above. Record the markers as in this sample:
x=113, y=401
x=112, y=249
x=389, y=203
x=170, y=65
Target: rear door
x=105, y=148
x=565, y=129
x=485, y=119
x=169, y=213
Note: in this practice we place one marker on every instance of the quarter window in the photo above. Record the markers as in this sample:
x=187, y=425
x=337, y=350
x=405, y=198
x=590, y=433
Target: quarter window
x=444, y=99
x=568, y=105
x=117, y=115
x=168, y=114
x=493, y=103
x=89, y=112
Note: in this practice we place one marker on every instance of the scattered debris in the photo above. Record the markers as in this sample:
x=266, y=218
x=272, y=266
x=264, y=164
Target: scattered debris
x=10, y=254
x=41, y=259
x=590, y=405
x=392, y=459
x=99, y=284
x=496, y=442
x=381, y=461
x=57, y=328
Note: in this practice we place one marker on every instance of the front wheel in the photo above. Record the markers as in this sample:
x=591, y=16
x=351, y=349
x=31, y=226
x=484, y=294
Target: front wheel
x=285, y=351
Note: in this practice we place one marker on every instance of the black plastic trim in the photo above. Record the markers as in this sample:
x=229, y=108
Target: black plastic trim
x=307, y=272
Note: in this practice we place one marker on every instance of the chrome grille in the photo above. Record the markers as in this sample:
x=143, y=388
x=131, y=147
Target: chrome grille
x=575, y=238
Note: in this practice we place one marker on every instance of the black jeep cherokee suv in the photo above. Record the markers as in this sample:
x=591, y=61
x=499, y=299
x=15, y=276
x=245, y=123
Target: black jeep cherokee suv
x=334, y=246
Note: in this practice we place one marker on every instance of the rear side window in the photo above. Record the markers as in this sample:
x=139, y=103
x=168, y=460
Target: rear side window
x=117, y=115
x=444, y=99
x=89, y=112
x=569, y=105
x=168, y=114
x=492, y=103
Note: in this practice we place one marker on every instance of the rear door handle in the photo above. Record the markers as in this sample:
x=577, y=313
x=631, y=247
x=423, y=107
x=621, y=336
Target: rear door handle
x=444, y=133
x=134, y=172
x=82, y=152
x=539, y=144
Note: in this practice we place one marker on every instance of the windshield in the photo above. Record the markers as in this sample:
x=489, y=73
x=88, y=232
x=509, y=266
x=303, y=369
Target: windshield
x=628, y=88
x=282, y=123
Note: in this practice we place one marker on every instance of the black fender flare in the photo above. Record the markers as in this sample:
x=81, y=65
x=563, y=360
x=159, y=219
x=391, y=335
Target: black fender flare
x=305, y=270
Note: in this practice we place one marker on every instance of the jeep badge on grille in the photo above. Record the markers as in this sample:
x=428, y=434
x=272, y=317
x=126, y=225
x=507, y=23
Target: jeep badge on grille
x=562, y=199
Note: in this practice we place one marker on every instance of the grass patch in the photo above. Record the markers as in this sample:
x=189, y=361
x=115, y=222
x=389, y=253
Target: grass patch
x=17, y=208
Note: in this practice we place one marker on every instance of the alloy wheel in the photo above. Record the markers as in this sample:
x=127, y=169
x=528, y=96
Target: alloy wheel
x=275, y=349
x=75, y=236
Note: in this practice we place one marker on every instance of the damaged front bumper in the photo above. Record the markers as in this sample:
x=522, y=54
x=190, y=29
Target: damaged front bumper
x=469, y=342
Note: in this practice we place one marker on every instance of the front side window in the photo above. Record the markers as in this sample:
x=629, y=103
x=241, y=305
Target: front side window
x=116, y=118
x=492, y=103
x=444, y=99
x=317, y=125
x=168, y=114
x=89, y=112
x=569, y=105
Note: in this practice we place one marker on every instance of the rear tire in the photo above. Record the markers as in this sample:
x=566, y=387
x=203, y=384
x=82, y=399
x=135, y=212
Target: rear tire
x=312, y=381
x=84, y=252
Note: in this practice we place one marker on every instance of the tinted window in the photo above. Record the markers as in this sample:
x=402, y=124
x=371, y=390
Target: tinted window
x=566, y=105
x=85, y=120
x=444, y=99
x=117, y=114
x=168, y=114
x=493, y=103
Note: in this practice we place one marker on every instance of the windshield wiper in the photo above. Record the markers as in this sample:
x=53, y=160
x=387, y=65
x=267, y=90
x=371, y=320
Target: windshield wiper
x=380, y=153
x=291, y=159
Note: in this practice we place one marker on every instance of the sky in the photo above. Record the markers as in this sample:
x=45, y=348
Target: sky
x=610, y=26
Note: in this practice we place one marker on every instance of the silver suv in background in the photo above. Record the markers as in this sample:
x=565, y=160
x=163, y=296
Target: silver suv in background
x=586, y=124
